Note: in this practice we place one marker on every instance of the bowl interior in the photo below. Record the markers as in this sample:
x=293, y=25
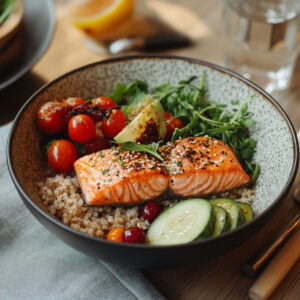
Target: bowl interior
x=275, y=146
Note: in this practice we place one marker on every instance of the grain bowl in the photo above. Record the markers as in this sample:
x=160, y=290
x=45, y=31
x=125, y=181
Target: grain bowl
x=277, y=155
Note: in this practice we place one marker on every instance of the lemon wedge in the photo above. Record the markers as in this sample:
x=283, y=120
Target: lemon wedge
x=96, y=17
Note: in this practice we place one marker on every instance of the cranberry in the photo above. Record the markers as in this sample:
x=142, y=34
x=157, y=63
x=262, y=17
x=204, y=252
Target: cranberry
x=133, y=235
x=150, y=211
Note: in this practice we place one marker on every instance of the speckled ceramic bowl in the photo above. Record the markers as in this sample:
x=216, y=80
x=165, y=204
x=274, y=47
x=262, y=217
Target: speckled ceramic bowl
x=277, y=152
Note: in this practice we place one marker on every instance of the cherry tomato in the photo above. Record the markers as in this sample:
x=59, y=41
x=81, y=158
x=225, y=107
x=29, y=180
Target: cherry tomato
x=82, y=129
x=115, y=235
x=171, y=124
x=50, y=117
x=133, y=235
x=114, y=124
x=103, y=102
x=72, y=103
x=150, y=211
x=96, y=144
x=61, y=155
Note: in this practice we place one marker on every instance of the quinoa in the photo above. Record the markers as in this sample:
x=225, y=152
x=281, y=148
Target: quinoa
x=62, y=198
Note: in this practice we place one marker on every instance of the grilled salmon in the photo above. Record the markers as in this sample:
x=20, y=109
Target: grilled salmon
x=109, y=177
x=202, y=166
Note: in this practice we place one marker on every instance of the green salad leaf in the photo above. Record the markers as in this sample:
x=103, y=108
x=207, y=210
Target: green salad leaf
x=6, y=7
x=150, y=149
x=123, y=94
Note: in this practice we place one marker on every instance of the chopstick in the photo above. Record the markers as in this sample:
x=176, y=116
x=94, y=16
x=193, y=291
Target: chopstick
x=258, y=262
x=277, y=269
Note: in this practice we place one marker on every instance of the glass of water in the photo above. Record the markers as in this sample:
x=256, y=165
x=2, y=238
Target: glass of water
x=262, y=40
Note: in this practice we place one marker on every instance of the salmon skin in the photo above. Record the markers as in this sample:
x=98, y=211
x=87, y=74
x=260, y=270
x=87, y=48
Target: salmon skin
x=191, y=167
x=202, y=166
x=112, y=178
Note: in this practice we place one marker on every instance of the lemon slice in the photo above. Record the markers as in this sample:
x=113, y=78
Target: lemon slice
x=100, y=16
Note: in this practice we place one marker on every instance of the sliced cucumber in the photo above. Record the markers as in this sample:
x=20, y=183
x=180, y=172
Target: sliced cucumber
x=247, y=211
x=222, y=223
x=236, y=216
x=182, y=223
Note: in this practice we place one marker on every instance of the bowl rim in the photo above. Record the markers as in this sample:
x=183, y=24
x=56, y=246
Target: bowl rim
x=43, y=46
x=118, y=59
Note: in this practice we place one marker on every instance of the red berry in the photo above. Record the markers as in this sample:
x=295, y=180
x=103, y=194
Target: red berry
x=150, y=211
x=134, y=235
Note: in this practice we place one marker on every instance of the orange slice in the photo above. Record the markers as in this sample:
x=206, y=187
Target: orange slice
x=96, y=17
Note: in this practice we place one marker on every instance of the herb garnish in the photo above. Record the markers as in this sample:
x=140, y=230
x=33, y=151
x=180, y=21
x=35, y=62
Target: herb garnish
x=150, y=149
x=104, y=172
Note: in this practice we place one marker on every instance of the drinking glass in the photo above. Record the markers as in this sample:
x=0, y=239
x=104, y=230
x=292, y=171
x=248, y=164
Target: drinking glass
x=262, y=40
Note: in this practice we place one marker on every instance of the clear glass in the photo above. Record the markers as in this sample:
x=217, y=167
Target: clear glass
x=262, y=40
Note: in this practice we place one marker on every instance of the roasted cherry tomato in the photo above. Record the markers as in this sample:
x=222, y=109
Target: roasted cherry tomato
x=103, y=102
x=96, y=144
x=72, y=103
x=61, y=155
x=171, y=124
x=51, y=117
x=114, y=124
x=82, y=129
x=115, y=235
x=133, y=235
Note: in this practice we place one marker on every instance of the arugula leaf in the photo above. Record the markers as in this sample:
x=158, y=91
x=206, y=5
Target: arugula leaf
x=150, y=149
x=235, y=102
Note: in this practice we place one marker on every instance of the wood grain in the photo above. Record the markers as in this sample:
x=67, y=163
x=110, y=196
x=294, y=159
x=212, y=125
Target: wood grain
x=201, y=20
x=277, y=269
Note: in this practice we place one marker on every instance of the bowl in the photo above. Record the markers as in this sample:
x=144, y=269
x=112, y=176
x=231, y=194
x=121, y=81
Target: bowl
x=29, y=43
x=277, y=153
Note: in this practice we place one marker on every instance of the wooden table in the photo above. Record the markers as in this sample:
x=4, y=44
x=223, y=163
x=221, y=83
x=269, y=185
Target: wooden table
x=201, y=20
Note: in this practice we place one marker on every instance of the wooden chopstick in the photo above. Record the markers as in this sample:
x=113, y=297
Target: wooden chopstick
x=277, y=269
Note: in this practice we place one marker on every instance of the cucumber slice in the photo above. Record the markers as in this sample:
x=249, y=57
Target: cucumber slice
x=236, y=216
x=182, y=223
x=221, y=220
x=247, y=211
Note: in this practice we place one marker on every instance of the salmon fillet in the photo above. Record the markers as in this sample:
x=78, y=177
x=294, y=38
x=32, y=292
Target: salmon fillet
x=202, y=166
x=109, y=177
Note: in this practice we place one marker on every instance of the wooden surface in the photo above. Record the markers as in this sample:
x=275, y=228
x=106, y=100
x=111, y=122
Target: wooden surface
x=201, y=20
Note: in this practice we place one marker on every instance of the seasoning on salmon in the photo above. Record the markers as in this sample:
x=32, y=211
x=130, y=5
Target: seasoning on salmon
x=202, y=166
x=109, y=177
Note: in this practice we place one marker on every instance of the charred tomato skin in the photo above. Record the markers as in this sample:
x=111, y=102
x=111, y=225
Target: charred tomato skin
x=61, y=155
